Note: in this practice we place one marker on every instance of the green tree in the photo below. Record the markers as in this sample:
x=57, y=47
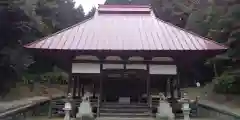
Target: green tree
x=23, y=21
x=173, y=11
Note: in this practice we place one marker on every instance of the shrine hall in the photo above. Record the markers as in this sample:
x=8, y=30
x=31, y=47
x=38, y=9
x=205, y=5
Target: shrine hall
x=124, y=53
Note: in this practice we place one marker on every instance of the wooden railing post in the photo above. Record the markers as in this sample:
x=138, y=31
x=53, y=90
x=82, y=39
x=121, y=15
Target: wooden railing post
x=150, y=102
x=197, y=102
x=24, y=115
x=50, y=108
x=98, y=107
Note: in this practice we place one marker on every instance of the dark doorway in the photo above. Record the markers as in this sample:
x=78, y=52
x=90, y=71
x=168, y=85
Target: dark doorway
x=120, y=83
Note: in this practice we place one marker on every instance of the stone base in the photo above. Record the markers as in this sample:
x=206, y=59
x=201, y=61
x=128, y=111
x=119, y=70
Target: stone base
x=163, y=117
x=85, y=117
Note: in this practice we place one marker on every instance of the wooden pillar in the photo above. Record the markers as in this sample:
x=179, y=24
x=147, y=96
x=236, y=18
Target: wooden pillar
x=148, y=85
x=172, y=88
x=70, y=85
x=74, y=87
x=82, y=89
x=79, y=86
x=124, y=66
x=178, y=85
x=94, y=89
x=125, y=62
x=101, y=82
x=165, y=87
x=168, y=87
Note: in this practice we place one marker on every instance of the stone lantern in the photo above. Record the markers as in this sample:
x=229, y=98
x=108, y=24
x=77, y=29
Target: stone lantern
x=67, y=108
x=85, y=109
x=164, y=111
x=185, y=107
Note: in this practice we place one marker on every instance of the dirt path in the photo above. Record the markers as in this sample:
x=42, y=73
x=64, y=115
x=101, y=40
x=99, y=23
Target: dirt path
x=21, y=95
x=6, y=105
x=23, y=91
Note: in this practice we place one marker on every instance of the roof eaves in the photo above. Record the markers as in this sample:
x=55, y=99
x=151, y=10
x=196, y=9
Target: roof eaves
x=195, y=34
x=63, y=30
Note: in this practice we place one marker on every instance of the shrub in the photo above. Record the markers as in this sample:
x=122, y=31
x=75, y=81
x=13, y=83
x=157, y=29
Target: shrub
x=49, y=77
x=54, y=77
x=226, y=83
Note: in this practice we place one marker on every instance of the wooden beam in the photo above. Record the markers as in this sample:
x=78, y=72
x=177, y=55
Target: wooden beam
x=145, y=53
x=126, y=61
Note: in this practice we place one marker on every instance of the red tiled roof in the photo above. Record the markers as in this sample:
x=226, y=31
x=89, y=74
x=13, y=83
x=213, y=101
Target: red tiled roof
x=124, y=32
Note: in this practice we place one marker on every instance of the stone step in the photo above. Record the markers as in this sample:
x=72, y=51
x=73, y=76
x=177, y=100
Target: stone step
x=123, y=106
x=114, y=103
x=200, y=119
x=129, y=115
x=122, y=110
x=124, y=118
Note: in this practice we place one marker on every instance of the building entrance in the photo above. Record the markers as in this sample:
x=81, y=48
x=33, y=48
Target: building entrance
x=123, y=86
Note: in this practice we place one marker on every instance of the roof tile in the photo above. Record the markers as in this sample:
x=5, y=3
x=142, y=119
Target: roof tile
x=125, y=32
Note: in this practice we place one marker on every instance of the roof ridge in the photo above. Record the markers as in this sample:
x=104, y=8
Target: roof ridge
x=191, y=32
x=124, y=9
x=63, y=30
x=123, y=6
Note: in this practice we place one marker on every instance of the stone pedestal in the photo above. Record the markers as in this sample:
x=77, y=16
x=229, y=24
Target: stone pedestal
x=67, y=108
x=67, y=115
x=85, y=110
x=164, y=110
x=185, y=107
x=186, y=113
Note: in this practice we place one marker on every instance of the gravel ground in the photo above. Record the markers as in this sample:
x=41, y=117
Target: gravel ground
x=111, y=118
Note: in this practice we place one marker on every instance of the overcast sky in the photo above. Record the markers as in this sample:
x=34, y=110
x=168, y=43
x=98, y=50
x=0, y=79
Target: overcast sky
x=88, y=4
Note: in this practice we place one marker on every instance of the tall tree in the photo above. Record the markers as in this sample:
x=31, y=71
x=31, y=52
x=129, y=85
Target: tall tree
x=23, y=21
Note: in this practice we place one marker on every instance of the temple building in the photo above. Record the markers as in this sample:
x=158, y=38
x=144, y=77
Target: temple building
x=125, y=54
